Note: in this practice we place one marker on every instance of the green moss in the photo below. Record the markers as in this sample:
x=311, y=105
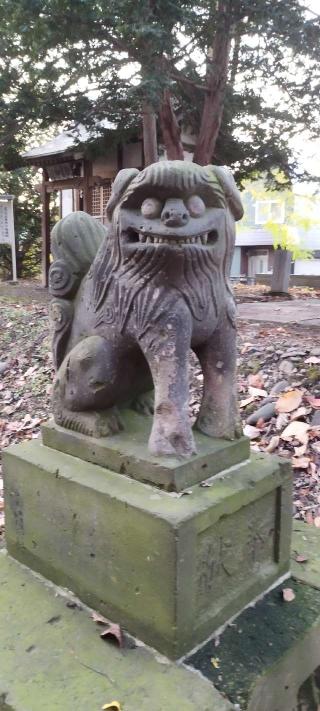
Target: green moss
x=257, y=641
x=52, y=658
x=313, y=374
x=252, y=366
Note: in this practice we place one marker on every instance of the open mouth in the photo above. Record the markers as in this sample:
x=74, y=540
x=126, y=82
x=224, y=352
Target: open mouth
x=206, y=239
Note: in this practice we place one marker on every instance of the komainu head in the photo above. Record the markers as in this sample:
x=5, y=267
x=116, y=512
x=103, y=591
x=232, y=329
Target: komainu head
x=174, y=205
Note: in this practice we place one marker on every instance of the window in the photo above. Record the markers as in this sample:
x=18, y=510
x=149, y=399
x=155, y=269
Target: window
x=269, y=210
x=100, y=197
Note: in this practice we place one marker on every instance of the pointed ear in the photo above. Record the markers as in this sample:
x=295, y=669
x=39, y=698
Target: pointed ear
x=230, y=189
x=122, y=180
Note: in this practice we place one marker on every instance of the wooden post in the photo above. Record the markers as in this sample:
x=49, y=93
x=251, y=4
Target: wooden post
x=45, y=229
x=87, y=192
x=120, y=156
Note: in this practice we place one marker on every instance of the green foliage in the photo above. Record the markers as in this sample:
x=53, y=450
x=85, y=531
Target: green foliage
x=285, y=237
x=27, y=215
x=298, y=213
x=86, y=60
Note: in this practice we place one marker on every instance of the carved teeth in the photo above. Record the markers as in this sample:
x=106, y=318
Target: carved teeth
x=155, y=239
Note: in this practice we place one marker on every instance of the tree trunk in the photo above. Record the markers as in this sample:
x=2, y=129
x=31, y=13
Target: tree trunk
x=149, y=124
x=281, y=271
x=170, y=129
x=216, y=80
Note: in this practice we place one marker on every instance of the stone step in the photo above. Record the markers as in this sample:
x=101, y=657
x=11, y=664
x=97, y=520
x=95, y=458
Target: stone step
x=52, y=658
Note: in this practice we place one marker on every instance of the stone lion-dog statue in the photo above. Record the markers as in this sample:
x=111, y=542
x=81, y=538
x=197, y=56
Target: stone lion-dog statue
x=132, y=297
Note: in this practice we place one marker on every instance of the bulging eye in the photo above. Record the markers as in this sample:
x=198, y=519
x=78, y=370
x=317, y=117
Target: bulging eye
x=151, y=207
x=196, y=206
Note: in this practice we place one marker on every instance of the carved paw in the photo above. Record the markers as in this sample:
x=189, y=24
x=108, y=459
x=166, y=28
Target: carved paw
x=144, y=403
x=173, y=439
x=91, y=423
x=213, y=426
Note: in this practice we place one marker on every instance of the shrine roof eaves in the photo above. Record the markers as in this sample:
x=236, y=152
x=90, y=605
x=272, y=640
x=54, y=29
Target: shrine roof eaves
x=66, y=142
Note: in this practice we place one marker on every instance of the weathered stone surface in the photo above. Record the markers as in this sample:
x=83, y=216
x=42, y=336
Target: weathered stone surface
x=286, y=367
x=306, y=543
x=265, y=412
x=171, y=568
x=272, y=648
x=129, y=454
x=281, y=271
x=52, y=658
x=269, y=651
x=279, y=387
x=158, y=286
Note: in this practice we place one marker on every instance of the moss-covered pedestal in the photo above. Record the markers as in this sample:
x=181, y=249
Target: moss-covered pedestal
x=170, y=566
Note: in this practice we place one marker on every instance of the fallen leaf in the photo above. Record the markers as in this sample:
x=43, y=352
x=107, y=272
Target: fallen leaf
x=300, y=451
x=300, y=462
x=251, y=432
x=114, y=631
x=289, y=401
x=215, y=662
x=246, y=347
x=300, y=412
x=296, y=429
x=273, y=444
x=255, y=447
x=281, y=421
x=313, y=471
x=256, y=380
x=100, y=619
x=288, y=594
x=114, y=706
x=313, y=401
x=30, y=371
x=300, y=558
x=257, y=392
x=248, y=401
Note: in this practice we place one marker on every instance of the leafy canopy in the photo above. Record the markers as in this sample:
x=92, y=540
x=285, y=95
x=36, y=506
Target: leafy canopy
x=85, y=60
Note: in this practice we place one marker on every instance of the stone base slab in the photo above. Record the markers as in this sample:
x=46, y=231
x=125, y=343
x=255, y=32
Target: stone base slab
x=52, y=658
x=128, y=453
x=170, y=568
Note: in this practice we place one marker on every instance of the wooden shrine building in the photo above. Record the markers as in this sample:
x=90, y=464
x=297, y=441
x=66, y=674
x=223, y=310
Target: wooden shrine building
x=82, y=182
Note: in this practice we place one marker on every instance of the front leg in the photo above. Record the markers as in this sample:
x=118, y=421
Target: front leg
x=166, y=347
x=219, y=415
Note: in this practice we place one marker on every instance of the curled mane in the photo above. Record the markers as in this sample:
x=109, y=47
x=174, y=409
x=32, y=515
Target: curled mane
x=198, y=270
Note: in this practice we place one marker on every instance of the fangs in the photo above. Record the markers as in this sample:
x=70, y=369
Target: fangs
x=155, y=239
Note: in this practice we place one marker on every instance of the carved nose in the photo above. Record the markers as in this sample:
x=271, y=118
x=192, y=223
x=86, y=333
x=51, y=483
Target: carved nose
x=175, y=213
